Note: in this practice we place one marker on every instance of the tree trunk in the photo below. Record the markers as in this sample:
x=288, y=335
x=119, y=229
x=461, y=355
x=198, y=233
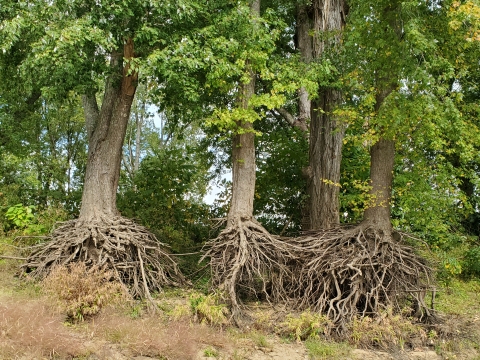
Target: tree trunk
x=326, y=132
x=326, y=140
x=243, y=154
x=305, y=45
x=139, y=119
x=382, y=156
x=106, y=130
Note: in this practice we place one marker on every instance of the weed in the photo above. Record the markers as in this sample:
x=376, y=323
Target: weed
x=320, y=350
x=260, y=340
x=387, y=331
x=208, y=308
x=136, y=310
x=210, y=352
x=263, y=320
x=307, y=325
x=83, y=292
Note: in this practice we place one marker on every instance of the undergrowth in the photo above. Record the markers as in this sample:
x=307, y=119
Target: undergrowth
x=307, y=325
x=327, y=350
x=386, y=331
x=209, y=309
x=80, y=292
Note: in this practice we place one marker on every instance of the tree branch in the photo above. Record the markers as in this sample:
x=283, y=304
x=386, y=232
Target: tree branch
x=292, y=121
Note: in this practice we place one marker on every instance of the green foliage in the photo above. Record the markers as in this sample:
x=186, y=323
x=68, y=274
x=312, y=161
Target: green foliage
x=20, y=216
x=208, y=308
x=31, y=221
x=471, y=262
x=167, y=196
x=308, y=325
x=280, y=188
x=323, y=350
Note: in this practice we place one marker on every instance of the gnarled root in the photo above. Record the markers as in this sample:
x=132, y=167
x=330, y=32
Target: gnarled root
x=345, y=272
x=246, y=258
x=135, y=256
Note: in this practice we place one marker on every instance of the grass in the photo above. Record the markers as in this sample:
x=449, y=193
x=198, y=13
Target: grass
x=260, y=340
x=323, y=350
x=210, y=352
x=459, y=297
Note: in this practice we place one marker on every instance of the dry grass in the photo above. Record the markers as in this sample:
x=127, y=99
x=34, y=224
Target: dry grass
x=81, y=292
x=151, y=336
x=31, y=330
x=387, y=331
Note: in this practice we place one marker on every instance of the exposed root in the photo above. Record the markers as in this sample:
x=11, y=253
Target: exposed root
x=358, y=271
x=246, y=259
x=135, y=256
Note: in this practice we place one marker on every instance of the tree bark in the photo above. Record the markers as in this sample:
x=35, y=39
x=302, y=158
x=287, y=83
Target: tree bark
x=243, y=154
x=326, y=140
x=305, y=45
x=106, y=132
x=326, y=132
x=382, y=159
x=382, y=156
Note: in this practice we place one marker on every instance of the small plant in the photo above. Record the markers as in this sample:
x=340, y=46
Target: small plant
x=19, y=215
x=323, y=350
x=306, y=326
x=386, y=331
x=83, y=292
x=208, y=308
x=210, y=352
x=260, y=340
x=23, y=218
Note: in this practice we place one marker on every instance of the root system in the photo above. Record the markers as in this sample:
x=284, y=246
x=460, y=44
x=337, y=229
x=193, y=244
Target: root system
x=359, y=271
x=135, y=256
x=246, y=259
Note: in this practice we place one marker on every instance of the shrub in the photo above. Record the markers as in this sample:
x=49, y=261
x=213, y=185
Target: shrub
x=308, y=325
x=208, y=308
x=82, y=292
x=472, y=261
x=386, y=331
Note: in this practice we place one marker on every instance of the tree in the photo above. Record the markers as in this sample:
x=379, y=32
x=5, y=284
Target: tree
x=326, y=129
x=83, y=47
x=361, y=269
x=245, y=255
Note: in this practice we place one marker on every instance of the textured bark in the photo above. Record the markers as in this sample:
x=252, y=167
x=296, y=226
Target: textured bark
x=106, y=132
x=305, y=45
x=326, y=140
x=382, y=156
x=326, y=132
x=243, y=154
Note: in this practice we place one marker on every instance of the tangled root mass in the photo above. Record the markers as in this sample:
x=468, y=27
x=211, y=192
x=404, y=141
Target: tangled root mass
x=342, y=272
x=135, y=256
x=246, y=259
x=345, y=272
